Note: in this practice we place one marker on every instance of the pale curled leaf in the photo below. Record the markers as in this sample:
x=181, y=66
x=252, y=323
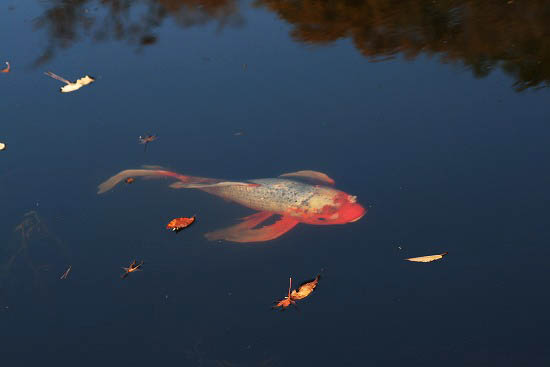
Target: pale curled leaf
x=70, y=86
x=427, y=259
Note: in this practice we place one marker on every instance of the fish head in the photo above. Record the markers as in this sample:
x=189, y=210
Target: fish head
x=329, y=206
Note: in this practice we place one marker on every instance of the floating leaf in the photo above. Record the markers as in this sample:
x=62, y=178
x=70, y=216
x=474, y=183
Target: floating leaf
x=7, y=69
x=71, y=87
x=287, y=301
x=134, y=266
x=177, y=224
x=147, y=138
x=66, y=273
x=427, y=259
x=305, y=289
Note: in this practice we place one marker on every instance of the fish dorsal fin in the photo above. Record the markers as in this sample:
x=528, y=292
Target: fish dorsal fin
x=311, y=175
x=199, y=185
x=146, y=166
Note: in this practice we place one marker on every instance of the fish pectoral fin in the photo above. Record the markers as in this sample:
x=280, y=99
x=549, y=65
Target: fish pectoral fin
x=311, y=175
x=184, y=185
x=247, y=223
x=253, y=220
x=246, y=231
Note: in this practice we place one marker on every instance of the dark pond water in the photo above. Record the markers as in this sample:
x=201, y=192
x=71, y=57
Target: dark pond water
x=434, y=114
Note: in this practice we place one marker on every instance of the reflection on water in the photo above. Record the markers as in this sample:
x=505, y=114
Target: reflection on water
x=68, y=21
x=437, y=177
x=31, y=252
x=211, y=352
x=482, y=35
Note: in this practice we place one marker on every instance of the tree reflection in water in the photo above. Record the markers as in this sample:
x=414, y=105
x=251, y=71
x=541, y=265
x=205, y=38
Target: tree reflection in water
x=482, y=35
x=33, y=248
x=133, y=21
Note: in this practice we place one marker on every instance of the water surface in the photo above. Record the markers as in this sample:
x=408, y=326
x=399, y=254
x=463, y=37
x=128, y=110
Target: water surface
x=435, y=114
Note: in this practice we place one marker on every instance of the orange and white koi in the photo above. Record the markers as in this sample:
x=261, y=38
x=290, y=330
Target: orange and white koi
x=298, y=197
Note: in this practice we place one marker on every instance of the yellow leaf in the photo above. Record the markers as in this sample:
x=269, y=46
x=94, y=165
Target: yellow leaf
x=427, y=259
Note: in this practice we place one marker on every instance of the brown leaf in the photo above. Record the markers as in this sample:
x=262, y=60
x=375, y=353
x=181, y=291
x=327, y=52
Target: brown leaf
x=177, y=224
x=305, y=289
x=287, y=301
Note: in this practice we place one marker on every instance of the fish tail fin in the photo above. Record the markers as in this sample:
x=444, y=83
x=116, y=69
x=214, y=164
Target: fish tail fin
x=153, y=172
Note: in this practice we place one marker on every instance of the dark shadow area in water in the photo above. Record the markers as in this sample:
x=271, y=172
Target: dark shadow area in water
x=69, y=21
x=482, y=36
x=26, y=261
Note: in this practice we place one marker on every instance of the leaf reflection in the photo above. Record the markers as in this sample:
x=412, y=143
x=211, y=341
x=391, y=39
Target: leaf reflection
x=25, y=258
x=210, y=354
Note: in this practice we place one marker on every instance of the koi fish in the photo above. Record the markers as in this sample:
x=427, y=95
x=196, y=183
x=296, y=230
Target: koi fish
x=297, y=197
